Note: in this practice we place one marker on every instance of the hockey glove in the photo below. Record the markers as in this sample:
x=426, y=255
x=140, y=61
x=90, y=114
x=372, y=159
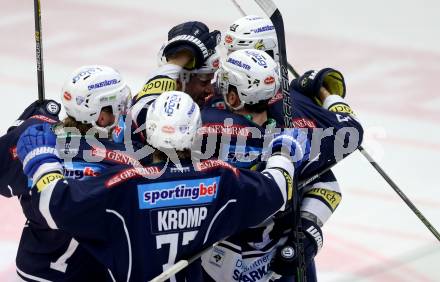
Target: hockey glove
x=311, y=81
x=293, y=143
x=194, y=37
x=36, y=147
x=285, y=261
x=48, y=108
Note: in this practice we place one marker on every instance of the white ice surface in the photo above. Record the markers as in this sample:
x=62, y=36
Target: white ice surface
x=389, y=52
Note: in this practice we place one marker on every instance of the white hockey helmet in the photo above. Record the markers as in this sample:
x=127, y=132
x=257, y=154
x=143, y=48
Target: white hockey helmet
x=252, y=32
x=91, y=88
x=253, y=72
x=172, y=121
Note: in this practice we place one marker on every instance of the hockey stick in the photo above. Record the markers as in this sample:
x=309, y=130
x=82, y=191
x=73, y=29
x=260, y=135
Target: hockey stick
x=243, y=13
x=182, y=264
x=39, y=50
x=271, y=10
x=268, y=6
x=400, y=193
x=370, y=159
x=239, y=8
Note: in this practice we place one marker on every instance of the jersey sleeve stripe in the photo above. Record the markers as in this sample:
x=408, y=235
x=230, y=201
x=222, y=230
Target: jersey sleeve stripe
x=44, y=202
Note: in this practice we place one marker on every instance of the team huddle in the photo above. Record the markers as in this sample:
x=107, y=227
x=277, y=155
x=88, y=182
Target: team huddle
x=199, y=159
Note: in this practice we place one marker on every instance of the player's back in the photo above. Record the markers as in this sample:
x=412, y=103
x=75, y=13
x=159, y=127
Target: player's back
x=138, y=226
x=54, y=255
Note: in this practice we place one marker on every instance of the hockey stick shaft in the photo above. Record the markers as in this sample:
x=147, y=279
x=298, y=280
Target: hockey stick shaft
x=243, y=13
x=376, y=166
x=393, y=185
x=271, y=10
x=269, y=7
x=39, y=49
x=182, y=264
x=400, y=193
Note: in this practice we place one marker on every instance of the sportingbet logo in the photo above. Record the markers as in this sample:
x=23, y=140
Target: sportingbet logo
x=177, y=193
x=180, y=192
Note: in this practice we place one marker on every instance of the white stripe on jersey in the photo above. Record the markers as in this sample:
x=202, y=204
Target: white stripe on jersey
x=282, y=162
x=128, y=241
x=44, y=202
x=215, y=217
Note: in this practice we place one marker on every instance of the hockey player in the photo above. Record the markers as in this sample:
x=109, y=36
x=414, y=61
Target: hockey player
x=139, y=226
x=93, y=97
x=248, y=80
x=258, y=33
x=188, y=62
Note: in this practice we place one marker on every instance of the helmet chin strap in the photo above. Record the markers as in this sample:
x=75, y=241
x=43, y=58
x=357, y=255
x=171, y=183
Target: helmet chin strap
x=105, y=130
x=183, y=83
x=239, y=107
x=184, y=78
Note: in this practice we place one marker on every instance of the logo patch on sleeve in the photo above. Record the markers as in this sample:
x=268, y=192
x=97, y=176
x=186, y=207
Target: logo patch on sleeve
x=48, y=179
x=177, y=193
x=341, y=108
x=330, y=198
x=157, y=86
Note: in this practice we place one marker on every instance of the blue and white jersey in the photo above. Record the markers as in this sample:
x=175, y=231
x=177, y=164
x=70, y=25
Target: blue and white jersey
x=139, y=222
x=247, y=256
x=54, y=255
x=45, y=254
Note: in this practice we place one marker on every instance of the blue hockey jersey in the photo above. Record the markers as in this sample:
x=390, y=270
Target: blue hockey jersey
x=247, y=256
x=45, y=254
x=334, y=131
x=140, y=222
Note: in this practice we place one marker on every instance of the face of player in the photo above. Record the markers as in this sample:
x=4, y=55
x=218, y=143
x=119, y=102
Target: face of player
x=105, y=118
x=200, y=87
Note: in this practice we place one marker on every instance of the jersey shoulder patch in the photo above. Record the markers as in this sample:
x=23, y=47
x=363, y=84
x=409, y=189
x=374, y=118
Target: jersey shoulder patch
x=341, y=108
x=157, y=85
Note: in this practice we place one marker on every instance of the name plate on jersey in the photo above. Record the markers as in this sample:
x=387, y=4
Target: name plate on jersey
x=178, y=219
x=177, y=193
